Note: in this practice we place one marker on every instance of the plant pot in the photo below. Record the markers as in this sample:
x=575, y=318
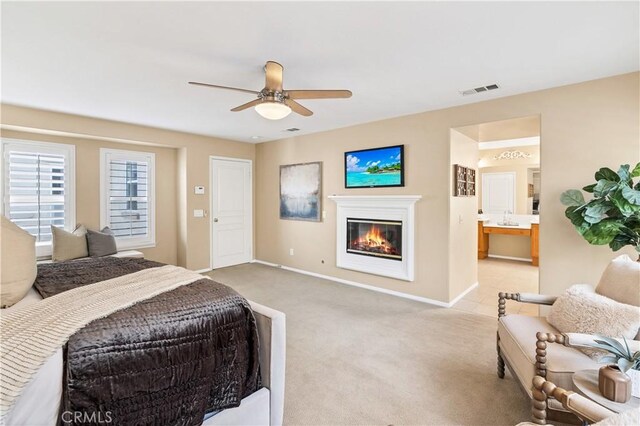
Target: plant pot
x=614, y=384
x=635, y=382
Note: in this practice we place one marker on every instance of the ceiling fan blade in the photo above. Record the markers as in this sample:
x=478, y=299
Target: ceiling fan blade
x=297, y=108
x=273, y=80
x=223, y=87
x=247, y=105
x=318, y=94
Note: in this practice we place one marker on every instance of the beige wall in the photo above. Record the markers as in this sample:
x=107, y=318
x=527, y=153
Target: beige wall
x=583, y=127
x=513, y=128
x=463, y=226
x=190, y=244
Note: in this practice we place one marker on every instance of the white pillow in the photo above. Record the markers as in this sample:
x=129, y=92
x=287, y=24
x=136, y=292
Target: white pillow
x=68, y=245
x=621, y=281
x=580, y=310
x=18, y=262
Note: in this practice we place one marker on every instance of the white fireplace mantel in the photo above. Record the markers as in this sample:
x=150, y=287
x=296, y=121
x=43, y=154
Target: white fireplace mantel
x=380, y=207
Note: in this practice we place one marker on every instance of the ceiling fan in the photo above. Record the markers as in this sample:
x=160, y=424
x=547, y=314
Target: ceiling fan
x=274, y=102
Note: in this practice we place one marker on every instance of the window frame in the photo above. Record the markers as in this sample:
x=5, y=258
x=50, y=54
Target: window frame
x=107, y=155
x=43, y=249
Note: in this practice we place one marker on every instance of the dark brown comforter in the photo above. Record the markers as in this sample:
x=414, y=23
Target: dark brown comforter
x=164, y=361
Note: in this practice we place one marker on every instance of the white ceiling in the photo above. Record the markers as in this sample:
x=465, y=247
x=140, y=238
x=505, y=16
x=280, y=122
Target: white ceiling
x=131, y=61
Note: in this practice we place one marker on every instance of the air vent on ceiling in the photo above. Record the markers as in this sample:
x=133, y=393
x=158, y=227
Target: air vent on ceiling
x=480, y=89
x=292, y=129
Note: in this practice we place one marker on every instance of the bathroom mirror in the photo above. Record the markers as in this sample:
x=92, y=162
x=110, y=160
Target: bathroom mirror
x=509, y=176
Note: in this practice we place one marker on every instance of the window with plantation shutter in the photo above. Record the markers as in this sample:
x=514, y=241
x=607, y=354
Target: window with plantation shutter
x=127, y=196
x=38, y=188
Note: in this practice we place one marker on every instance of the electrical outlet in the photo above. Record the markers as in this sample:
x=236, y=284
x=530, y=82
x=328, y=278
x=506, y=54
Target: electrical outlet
x=290, y=252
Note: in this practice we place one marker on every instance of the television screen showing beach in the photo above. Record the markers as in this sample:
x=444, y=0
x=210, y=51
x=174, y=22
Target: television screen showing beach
x=374, y=167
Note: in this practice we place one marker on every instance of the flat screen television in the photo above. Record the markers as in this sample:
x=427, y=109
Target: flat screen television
x=374, y=168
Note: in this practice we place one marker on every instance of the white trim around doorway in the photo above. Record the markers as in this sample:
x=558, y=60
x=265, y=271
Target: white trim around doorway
x=251, y=218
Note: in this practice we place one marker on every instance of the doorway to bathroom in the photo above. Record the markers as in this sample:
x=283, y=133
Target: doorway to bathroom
x=505, y=212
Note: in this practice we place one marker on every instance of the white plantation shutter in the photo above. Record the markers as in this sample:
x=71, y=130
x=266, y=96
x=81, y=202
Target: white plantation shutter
x=127, y=196
x=37, y=188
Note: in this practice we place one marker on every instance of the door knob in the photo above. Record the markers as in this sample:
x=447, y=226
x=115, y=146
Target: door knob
x=215, y=219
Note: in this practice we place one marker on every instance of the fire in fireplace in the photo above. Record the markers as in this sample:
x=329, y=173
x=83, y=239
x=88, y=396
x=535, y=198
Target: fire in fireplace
x=378, y=238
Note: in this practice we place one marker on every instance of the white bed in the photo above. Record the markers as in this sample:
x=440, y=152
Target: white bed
x=40, y=401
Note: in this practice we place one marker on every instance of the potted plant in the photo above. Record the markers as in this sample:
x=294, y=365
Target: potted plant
x=621, y=358
x=612, y=216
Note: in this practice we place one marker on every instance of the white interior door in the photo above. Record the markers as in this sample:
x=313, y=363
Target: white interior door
x=498, y=192
x=231, y=212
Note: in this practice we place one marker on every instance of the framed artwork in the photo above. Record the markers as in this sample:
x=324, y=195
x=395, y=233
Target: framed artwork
x=464, y=181
x=374, y=168
x=301, y=191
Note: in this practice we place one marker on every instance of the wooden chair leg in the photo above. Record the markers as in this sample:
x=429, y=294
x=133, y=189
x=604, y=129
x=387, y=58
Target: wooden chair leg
x=500, y=359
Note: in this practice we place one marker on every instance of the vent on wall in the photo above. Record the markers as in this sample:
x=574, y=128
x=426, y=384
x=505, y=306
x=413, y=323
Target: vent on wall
x=479, y=89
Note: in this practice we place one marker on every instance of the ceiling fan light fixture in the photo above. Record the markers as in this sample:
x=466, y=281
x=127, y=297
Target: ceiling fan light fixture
x=273, y=110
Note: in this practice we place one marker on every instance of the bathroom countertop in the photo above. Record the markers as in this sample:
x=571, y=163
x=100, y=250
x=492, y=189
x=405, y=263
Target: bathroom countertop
x=523, y=221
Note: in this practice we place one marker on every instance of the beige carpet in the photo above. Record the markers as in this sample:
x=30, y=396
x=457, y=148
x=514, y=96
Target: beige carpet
x=358, y=357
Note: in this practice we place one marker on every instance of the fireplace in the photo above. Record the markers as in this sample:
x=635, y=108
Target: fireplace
x=375, y=234
x=377, y=238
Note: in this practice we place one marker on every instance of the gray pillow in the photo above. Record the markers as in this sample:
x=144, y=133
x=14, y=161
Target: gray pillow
x=101, y=243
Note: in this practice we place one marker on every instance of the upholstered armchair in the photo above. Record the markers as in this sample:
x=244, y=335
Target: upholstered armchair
x=586, y=410
x=530, y=346
x=583, y=408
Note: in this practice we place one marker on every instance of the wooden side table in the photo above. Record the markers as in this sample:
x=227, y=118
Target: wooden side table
x=585, y=382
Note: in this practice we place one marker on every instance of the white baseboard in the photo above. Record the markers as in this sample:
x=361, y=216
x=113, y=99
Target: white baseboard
x=463, y=294
x=202, y=271
x=371, y=287
x=521, y=259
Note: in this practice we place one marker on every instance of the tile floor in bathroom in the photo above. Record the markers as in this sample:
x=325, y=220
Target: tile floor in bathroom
x=496, y=275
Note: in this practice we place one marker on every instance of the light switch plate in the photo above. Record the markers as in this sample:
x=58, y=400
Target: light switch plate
x=198, y=213
x=199, y=190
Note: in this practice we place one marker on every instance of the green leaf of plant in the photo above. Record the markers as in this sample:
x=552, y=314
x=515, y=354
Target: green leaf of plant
x=624, y=174
x=604, y=187
x=626, y=345
x=609, y=359
x=620, y=241
x=602, y=232
x=572, y=197
x=574, y=214
x=631, y=195
x=626, y=208
x=595, y=211
x=589, y=188
x=636, y=171
x=611, y=342
x=592, y=219
x=607, y=348
x=607, y=174
x=624, y=365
